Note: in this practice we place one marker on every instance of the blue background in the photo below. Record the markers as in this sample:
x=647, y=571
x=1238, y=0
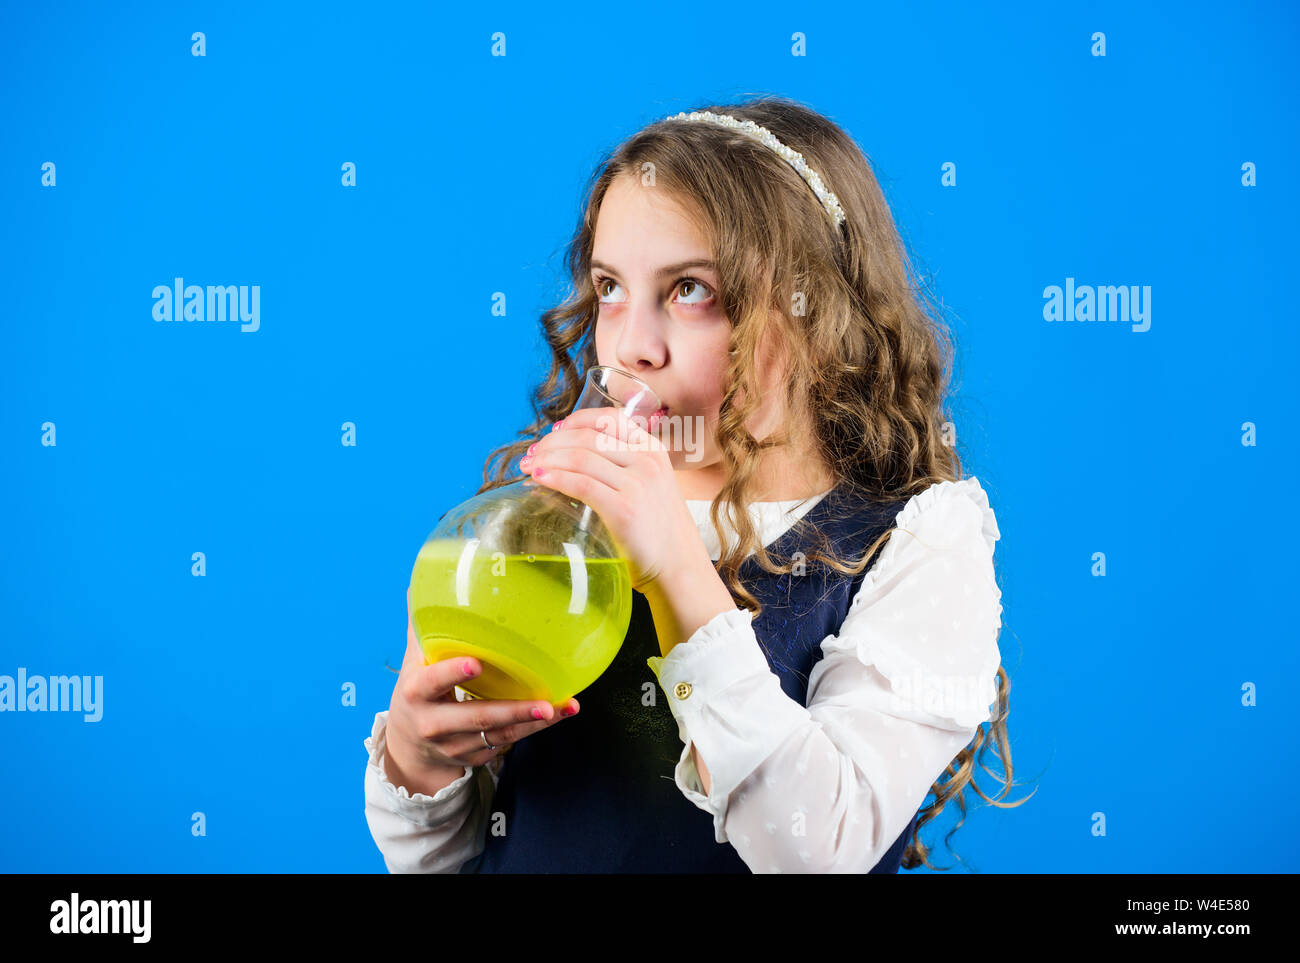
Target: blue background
x=223, y=693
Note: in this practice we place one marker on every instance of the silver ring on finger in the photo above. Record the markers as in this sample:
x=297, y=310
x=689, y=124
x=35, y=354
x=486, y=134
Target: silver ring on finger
x=487, y=744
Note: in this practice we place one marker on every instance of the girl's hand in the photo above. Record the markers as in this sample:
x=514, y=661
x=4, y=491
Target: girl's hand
x=432, y=736
x=605, y=459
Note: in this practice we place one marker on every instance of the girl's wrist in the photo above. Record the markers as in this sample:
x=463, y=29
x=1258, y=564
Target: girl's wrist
x=404, y=771
x=685, y=599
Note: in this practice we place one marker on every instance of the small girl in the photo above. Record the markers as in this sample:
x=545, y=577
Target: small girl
x=813, y=643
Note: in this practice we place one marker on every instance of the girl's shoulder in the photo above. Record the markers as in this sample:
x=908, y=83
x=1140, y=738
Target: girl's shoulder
x=958, y=511
x=930, y=608
x=959, y=508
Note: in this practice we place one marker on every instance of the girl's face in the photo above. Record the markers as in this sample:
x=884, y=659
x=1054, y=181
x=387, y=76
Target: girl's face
x=660, y=320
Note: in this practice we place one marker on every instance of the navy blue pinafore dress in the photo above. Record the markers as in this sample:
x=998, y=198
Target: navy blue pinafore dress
x=597, y=794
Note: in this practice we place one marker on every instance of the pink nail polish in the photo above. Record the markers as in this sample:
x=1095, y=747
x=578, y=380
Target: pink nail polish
x=556, y=426
x=537, y=713
x=538, y=473
x=531, y=447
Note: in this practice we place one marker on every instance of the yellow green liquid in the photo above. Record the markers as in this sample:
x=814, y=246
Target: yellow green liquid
x=543, y=626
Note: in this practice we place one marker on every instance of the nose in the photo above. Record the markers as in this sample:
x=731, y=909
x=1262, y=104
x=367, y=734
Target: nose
x=641, y=346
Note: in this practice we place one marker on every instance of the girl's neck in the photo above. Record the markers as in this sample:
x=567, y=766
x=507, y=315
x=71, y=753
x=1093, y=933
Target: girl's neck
x=778, y=480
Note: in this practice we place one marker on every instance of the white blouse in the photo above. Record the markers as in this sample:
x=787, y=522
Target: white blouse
x=827, y=787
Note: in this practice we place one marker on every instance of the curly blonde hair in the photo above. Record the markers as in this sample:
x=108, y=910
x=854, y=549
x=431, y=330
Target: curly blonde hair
x=866, y=352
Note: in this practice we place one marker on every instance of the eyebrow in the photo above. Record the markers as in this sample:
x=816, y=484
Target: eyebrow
x=667, y=269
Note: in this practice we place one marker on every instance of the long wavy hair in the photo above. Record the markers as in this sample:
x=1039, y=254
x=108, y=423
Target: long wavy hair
x=867, y=352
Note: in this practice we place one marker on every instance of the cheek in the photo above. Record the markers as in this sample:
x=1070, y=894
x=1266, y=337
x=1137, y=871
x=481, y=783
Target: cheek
x=708, y=373
x=605, y=345
x=706, y=394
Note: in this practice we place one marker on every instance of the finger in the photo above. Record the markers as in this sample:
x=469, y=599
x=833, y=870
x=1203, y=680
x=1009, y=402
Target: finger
x=608, y=467
x=584, y=488
x=628, y=432
x=622, y=443
x=471, y=744
x=479, y=715
x=603, y=442
x=433, y=682
x=634, y=430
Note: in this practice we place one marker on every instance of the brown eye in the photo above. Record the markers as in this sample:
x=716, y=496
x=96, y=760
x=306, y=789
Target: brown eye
x=694, y=287
x=600, y=288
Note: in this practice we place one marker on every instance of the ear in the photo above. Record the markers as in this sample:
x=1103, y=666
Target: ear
x=769, y=372
x=772, y=357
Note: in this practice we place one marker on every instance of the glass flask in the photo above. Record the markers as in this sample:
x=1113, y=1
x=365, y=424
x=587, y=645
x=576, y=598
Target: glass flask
x=527, y=580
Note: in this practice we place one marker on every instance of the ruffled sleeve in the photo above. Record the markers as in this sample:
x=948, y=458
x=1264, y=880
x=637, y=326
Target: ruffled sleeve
x=929, y=611
x=419, y=833
x=901, y=690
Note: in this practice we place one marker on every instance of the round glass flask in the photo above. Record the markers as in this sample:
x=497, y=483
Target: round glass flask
x=527, y=580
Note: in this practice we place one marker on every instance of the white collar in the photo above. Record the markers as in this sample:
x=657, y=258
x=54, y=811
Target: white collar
x=773, y=519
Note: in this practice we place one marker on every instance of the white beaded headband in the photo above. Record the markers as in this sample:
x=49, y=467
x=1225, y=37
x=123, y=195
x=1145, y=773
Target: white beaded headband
x=791, y=157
